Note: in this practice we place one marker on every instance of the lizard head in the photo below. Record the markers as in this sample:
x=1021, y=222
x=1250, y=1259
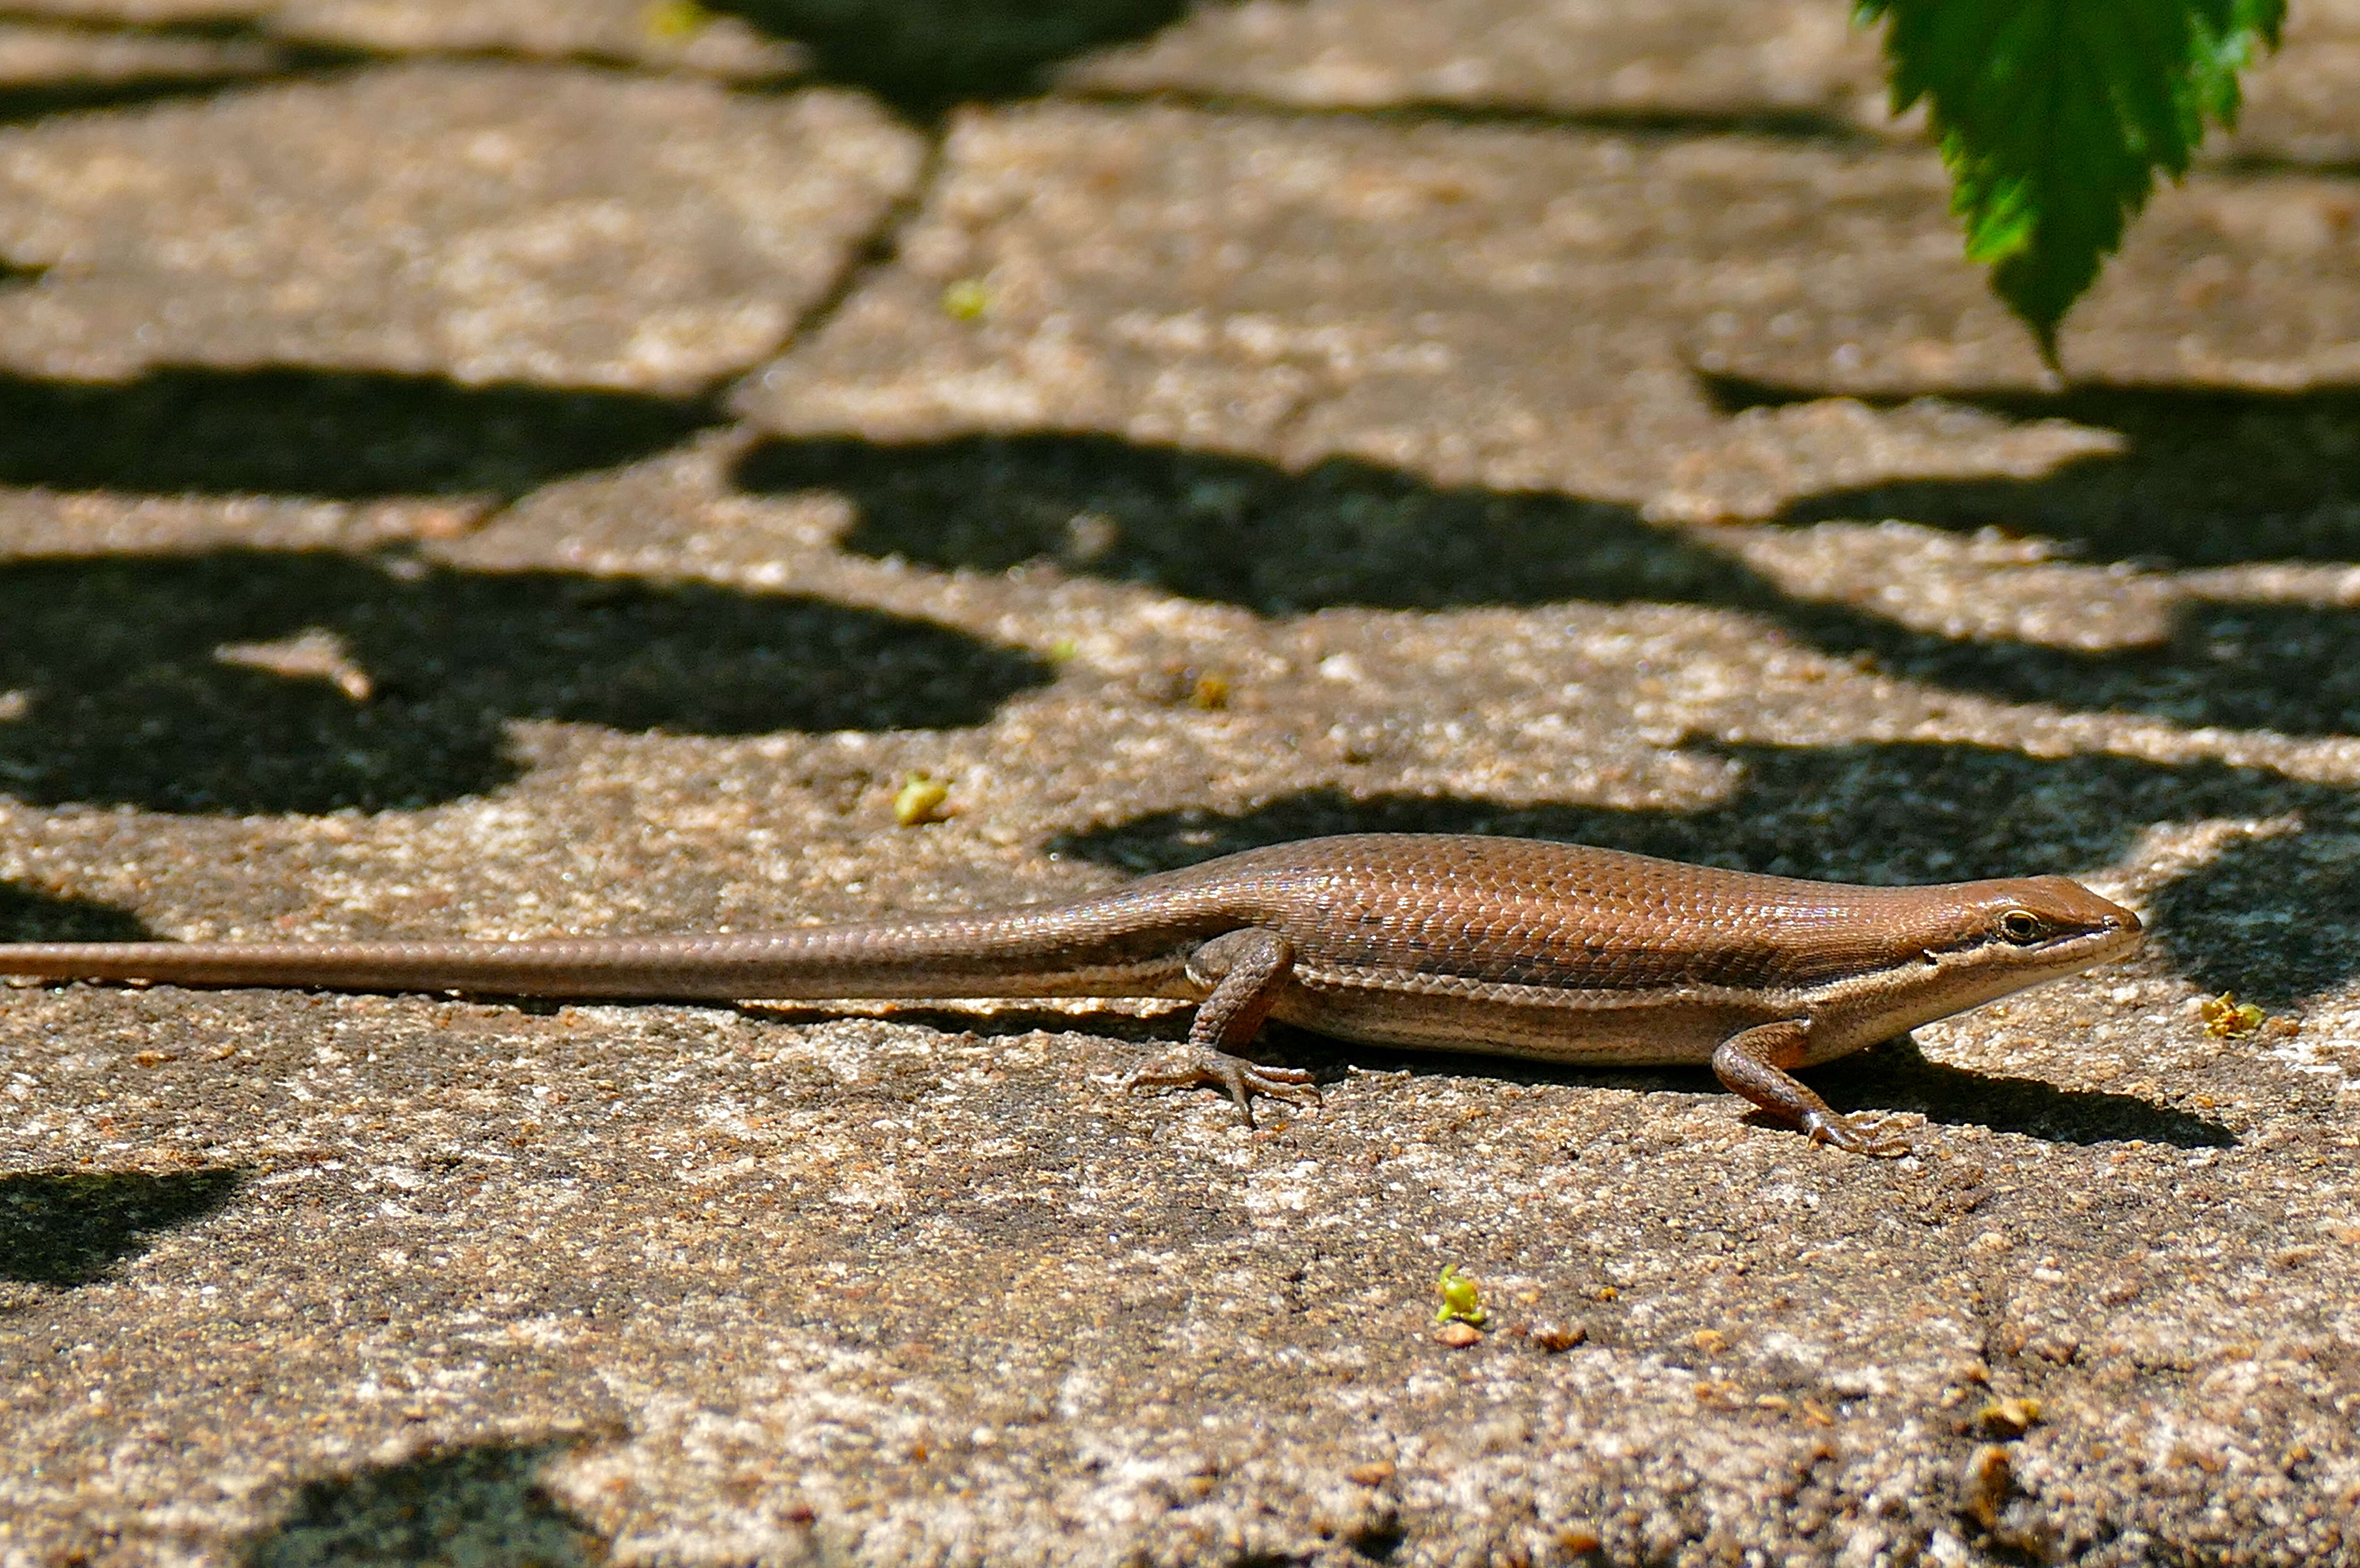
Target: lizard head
x=2052, y=924
x=1991, y=938
x=1960, y=945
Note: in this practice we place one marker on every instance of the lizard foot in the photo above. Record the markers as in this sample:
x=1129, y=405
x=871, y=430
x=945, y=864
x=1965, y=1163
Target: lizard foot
x=1193, y=1066
x=1853, y=1136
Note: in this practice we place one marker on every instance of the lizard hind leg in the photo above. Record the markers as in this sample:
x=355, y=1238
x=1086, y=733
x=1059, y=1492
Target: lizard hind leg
x=1249, y=970
x=1754, y=1062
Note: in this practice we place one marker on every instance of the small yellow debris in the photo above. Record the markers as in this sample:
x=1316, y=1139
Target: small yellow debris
x=1375, y=1473
x=674, y=21
x=1710, y=1341
x=1210, y=692
x=966, y=299
x=2008, y=1418
x=1065, y=650
x=1461, y=1300
x=919, y=801
x=2226, y=1018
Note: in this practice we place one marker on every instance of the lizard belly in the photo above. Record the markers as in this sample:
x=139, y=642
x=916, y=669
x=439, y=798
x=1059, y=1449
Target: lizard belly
x=1541, y=1023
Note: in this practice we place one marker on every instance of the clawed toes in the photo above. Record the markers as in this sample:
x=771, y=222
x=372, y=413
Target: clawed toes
x=1195, y=1067
x=1289, y=1084
x=1870, y=1138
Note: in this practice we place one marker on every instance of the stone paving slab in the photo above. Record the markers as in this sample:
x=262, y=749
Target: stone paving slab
x=1700, y=59
x=36, y=55
x=481, y=223
x=1283, y=473
x=1794, y=64
x=102, y=33
x=681, y=38
x=1179, y=276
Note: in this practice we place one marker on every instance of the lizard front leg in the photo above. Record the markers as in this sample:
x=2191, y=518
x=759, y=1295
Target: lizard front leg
x=1754, y=1062
x=1248, y=970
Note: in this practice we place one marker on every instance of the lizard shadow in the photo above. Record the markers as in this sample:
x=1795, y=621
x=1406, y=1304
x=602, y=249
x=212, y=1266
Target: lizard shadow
x=990, y=1020
x=64, y=1229
x=28, y=916
x=1897, y=1076
x=1892, y=1076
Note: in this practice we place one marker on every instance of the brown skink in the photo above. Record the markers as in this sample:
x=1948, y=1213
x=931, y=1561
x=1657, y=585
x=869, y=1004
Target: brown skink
x=1553, y=952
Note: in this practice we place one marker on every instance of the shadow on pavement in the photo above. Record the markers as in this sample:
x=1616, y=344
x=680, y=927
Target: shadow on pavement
x=2208, y=476
x=2290, y=667
x=70, y=1229
x=482, y=1505
x=1777, y=123
x=290, y=681
x=1240, y=530
x=1911, y=813
x=1896, y=1076
x=27, y=916
x=1902, y=813
x=346, y=434
x=1346, y=532
x=2244, y=922
x=922, y=56
x=26, y=102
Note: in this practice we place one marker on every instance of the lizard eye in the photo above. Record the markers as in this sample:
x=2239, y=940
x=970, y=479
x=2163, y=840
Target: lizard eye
x=2020, y=926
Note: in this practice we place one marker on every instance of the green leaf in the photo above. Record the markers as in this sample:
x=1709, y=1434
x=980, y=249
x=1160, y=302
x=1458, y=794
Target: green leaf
x=2054, y=115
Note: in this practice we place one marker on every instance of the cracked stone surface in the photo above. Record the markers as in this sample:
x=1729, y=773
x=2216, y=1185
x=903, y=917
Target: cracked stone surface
x=442, y=497
x=1589, y=304
x=484, y=223
x=141, y=33
x=1792, y=62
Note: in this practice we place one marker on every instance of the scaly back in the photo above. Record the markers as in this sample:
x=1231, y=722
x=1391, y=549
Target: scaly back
x=1523, y=911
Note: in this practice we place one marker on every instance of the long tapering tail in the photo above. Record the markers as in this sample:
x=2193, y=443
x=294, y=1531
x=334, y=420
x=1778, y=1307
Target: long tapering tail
x=1096, y=947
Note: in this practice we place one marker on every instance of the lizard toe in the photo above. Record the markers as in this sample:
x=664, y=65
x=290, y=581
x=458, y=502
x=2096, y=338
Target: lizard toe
x=1872, y=1139
x=1199, y=1066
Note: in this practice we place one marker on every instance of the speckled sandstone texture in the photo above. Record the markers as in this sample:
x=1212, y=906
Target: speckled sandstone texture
x=492, y=223
x=662, y=35
x=497, y=498
x=1790, y=65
